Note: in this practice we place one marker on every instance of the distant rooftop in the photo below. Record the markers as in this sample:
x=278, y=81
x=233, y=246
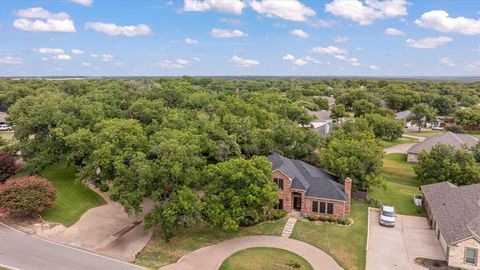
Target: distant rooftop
x=458, y=141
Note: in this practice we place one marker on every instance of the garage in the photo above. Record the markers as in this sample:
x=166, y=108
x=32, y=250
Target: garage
x=397, y=247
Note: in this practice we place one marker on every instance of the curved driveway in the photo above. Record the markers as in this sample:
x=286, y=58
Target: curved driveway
x=25, y=252
x=211, y=257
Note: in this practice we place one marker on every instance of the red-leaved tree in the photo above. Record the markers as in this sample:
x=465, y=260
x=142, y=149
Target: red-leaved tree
x=27, y=195
x=7, y=166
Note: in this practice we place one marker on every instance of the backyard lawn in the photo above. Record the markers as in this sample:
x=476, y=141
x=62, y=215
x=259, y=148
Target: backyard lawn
x=346, y=244
x=401, y=185
x=158, y=253
x=72, y=198
x=387, y=143
x=7, y=136
x=265, y=259
x=425, y=132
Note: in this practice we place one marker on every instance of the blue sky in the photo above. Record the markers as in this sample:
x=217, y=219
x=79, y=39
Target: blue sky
x=240, y=37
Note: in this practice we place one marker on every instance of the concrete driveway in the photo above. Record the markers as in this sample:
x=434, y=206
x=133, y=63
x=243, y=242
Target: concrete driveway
x=96, y=230
x=397, y=248
x=399, y=148
x=211, y=257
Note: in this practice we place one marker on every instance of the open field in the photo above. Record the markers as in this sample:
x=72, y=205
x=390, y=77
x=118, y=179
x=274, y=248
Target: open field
x=346, y=244
x=265, y=259
x=401, y=185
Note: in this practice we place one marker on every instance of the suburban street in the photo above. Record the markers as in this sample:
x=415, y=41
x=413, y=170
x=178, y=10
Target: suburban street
x=25, y=252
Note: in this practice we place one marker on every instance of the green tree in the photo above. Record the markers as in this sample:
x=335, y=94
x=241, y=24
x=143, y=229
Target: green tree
x=468, y=117
x=421, y=115
x=385, y=126
x=444, y=163
x=362, y=107
x=338, y=111
x=238, y=192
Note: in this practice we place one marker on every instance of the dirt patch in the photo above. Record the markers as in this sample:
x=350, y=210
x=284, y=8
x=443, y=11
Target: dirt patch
x=32, y=225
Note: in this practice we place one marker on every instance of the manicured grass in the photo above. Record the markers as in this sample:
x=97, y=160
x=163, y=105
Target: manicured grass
x=73, y=198
x=7, y=136
x=387, y=143
x=264, y=259
x=158, y=253
x=424, y=132
x=346, y=244
x=401, y=185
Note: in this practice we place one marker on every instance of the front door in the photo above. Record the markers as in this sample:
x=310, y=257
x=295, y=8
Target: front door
x=297, y=203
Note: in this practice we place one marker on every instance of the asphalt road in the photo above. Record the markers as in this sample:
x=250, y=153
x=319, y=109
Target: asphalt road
x=22, y=251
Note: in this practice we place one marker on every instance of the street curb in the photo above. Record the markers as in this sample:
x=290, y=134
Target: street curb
x=71, y=247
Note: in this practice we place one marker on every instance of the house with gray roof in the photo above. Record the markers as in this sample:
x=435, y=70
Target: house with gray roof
x=403, y=115
x=454, y=213
x=458, y=141
x=310, y=190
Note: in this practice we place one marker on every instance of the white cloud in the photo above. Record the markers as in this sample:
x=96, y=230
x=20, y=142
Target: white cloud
x=365, y=13
x=115, y=30
x=475, y=66
x=63, y=57
x=447, y=62
x=289, y=57
x=86, y=3
x=106, y=58
x=38, y=19
x=299, y=33
x=86, y=64
x=291, y=10
x=297, y=61
x=226, y=6
x=341, y=39
x=394, y=32
x=428, y=43
x=329, y=50
x=54, y=51
x=227, y=33
x=352, y=60
x=190, y=41
x=439, y=20
x=77, y=52
x=374, y=67
x=242, y=62
x=11, y=60
x=93, y=55
x=173, y=64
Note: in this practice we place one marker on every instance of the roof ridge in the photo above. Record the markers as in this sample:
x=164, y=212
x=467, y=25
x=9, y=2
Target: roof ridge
x=455, y=136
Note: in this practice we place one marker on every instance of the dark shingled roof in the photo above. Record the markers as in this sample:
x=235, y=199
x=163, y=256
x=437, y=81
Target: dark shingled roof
x=316, y=182
x=456, y=210
x=458, y=141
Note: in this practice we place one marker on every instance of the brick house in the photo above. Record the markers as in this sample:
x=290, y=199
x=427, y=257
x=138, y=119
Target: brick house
x=454, y=213
x=309, y=190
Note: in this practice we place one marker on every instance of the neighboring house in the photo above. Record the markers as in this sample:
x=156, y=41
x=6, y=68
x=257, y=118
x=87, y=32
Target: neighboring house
x=403, y=115
x=3, y=118
x=308, y=189
x=458, y=141
x=454, y=213
x=322, y=122
x=330, y=99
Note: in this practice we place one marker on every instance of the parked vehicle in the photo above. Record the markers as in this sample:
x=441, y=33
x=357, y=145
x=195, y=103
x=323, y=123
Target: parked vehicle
x=437, y=128
x=387, y=216
x=5, y=128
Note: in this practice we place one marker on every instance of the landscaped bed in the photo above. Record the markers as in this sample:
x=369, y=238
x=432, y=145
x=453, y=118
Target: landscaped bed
x=265, y=259
x=73, y=198
x=346, y=244
x=401, y=186
x=158, y=253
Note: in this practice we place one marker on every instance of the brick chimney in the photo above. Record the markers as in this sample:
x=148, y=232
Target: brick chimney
x=348, y=190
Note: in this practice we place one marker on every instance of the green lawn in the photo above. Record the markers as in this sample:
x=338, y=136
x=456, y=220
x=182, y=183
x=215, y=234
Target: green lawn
x=387, y=143
x=346, y=244
x=401, y=185
x=424, y=133
x=73, y=198
x=264, y=259
x=158, y=253
x=7, y=136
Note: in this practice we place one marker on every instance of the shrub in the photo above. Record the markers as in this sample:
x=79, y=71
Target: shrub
x=26, y=195
x=278, y=214
x=294, y=264
x=323, y=218
x=374, y=202
x=104, y=187
x=312, y=217
x=7, y=166
x=455, y=128
x=332, y=219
